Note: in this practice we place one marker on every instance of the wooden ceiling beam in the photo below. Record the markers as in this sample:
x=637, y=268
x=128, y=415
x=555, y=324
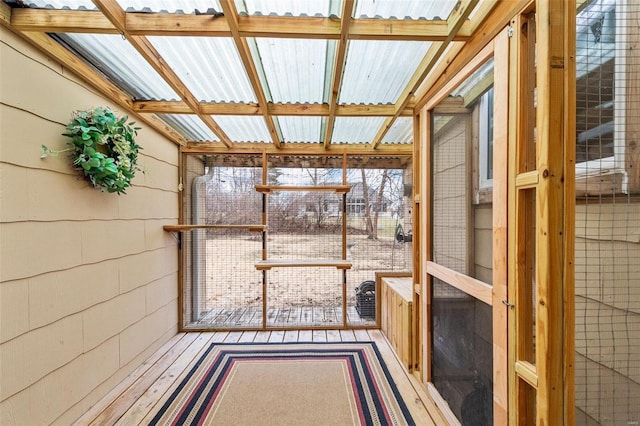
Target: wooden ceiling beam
x=116, y=15
x=301, y=110
x=338, y=67
x=455, y=21
x=404, y=30
x=297, y=149
x=168, y=24
x=62, y=21
x=492, y=23
x=321, y=161
x=231, y=15
x=5, y=14
x=451, y=106
x=479, y=17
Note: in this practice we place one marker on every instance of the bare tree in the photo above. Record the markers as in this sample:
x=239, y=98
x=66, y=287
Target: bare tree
x=379, y=205
x=367, y=207
x=372, y=208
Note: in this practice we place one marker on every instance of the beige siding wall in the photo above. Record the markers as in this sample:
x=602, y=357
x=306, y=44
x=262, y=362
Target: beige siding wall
x=88, y=280
x=483, y=243
x=608, y=311
x=450, y=213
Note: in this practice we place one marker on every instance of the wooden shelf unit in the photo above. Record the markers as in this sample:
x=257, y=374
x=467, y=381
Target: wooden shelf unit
x=342, y=264
x=396, y=316
x=292, y=263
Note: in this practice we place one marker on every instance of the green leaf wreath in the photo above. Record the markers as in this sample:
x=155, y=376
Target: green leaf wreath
x=103, y=148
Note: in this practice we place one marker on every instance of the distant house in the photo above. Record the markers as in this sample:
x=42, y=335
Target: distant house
x=331, y=204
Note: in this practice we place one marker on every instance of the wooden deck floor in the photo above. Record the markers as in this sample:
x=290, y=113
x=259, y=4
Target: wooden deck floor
x=293, y=317
x=131, y=401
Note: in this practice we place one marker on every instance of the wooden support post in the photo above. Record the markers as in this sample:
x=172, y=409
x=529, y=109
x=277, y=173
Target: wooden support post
x=632, y=98
x=500, y=217
x=344, y=298
x=553, y=120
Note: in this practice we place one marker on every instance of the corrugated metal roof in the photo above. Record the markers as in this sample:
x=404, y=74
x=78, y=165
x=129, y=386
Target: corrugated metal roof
x=171, y=6
x=355, y=130
x=62, y=4
x=300, y=129
x=377, y=71
x=190, y=127
x=289, y=7
x=401, y=132
x=404, y=9
x=244, y=128
x=294, y=68
x=291, y=68
x=122, y=64
x=477, y=76
x=210, y=67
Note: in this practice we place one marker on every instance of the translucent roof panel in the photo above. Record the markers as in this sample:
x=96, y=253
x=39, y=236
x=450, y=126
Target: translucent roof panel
x=478, y=75
x=355, y=130
x=190, y=127
x=401, y=132
x=210, y=67
x=170, y=6
x=249, y=128
x=62, y=4
x=122, y=64
x=294, y=68
x=300, y=129
x=413, y=9
x=292, y=7
x=377, y=71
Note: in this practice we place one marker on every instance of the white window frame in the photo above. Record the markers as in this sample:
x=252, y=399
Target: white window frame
x=485, y=117
x=614, y=165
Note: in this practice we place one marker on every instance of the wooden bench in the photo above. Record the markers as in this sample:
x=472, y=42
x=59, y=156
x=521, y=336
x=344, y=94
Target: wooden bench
x=395, y=318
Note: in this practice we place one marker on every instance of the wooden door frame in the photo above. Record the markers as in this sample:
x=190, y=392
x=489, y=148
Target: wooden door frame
x=541, y=367
x=496, y=295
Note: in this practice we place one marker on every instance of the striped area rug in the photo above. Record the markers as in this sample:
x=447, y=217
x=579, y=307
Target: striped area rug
x=298, y=384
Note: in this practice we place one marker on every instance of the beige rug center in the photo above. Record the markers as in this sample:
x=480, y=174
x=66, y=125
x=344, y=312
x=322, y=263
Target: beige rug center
x=282, y=392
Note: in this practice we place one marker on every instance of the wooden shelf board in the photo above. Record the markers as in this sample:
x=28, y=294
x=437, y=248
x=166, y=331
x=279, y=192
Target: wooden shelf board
x=293, y=263
x=340, y=189
x=187, y=228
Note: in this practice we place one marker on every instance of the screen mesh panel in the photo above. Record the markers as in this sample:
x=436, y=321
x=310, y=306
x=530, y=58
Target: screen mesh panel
x=607, y=264
x=303, y=215
x=462, y=358
x=304, y=297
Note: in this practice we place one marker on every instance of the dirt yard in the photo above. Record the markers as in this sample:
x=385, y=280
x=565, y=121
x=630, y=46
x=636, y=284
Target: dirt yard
x=232, y=279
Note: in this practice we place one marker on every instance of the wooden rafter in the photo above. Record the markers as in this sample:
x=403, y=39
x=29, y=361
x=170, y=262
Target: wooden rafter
x=488, y=27
x=338, y=67
x=45, y=43
x=232, y=108
x=5, y=15
x=454, y=23
x=116, y=15
x=165, y=24
x=231, y=15
x=112, y=19
x=296, y=149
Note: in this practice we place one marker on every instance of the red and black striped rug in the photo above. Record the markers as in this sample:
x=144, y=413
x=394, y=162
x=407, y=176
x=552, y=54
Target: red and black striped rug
x=343, y=383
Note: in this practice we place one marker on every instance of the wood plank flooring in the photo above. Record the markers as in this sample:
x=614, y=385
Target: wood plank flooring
x=294, y=317
x=133, y=401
